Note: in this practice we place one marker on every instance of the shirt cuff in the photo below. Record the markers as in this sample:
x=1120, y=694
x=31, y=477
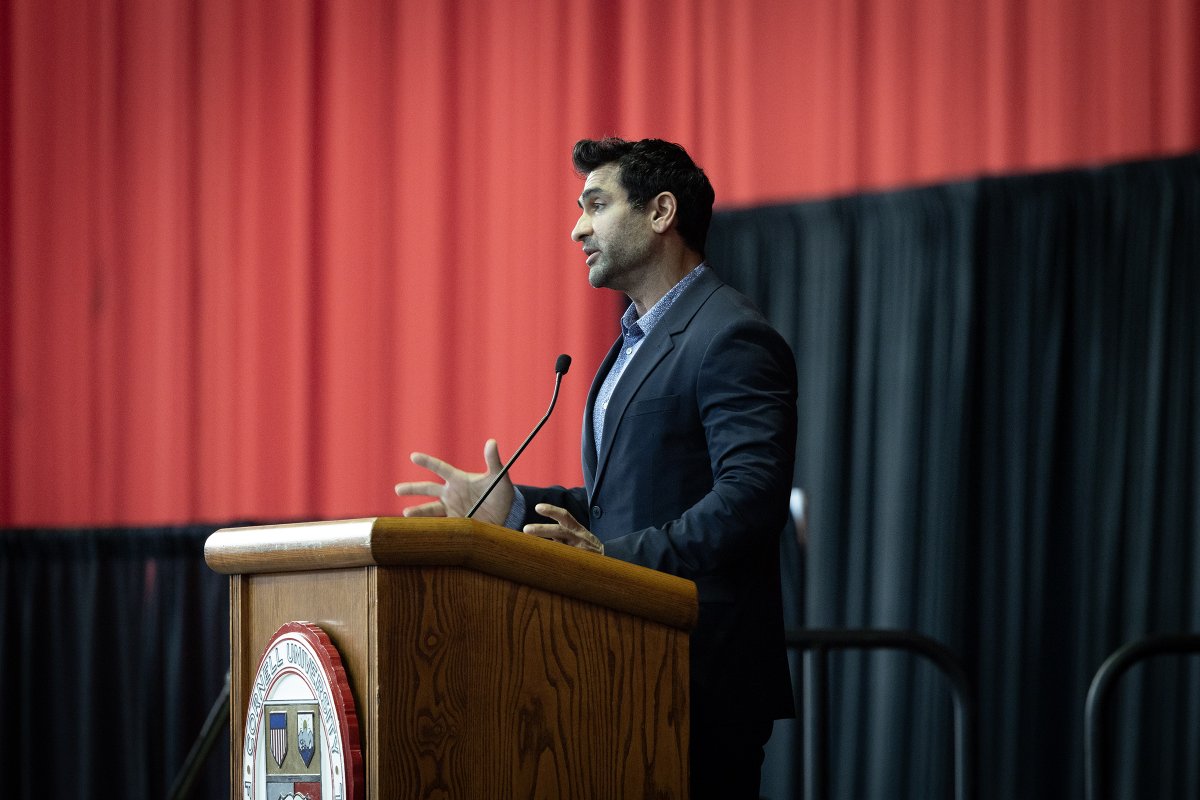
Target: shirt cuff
x=516, y=514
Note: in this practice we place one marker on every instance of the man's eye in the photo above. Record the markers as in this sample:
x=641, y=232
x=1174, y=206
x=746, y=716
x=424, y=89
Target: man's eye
x=597, y=206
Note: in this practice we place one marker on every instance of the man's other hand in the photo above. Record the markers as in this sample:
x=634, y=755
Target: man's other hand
x=565, y=529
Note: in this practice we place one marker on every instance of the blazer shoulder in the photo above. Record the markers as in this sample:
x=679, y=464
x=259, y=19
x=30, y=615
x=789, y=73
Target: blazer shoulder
x=709, y=298
x=727, y=307
x=728, y=300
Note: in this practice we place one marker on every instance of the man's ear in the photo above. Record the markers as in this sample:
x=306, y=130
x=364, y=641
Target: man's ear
x=662, y=212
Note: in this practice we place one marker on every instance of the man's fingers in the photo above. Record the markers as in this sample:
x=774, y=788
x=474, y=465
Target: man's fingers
x=491, y=456
x=554, y=533
x=425, y=488
x=559, y=515
x=434, y=509
x=434, y=465
x=574, y=535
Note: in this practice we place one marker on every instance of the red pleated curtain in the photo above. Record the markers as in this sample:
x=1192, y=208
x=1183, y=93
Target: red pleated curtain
x=254, y=253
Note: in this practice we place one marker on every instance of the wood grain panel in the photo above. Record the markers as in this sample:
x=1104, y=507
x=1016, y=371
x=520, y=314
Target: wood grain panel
x=504, y=690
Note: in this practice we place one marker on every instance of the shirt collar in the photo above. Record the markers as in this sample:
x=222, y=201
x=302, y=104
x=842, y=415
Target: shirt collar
x=635, y=327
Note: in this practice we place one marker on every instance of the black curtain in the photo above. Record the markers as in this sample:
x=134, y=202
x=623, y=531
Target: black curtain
x=999, y=444
x=115, y=646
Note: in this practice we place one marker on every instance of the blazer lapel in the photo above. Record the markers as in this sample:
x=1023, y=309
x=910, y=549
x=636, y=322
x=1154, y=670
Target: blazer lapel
x=657, y=346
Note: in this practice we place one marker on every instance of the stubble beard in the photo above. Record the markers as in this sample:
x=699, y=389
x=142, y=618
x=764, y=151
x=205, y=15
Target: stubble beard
x=599, y=274
x=617, y=266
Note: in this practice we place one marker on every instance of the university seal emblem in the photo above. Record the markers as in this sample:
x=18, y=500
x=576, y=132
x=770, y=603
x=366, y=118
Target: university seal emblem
x=301, y=735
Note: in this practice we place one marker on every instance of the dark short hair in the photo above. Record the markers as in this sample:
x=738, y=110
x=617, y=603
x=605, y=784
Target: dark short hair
x=649, y=166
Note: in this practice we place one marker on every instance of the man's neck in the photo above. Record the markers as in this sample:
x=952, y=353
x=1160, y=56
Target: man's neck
x=661, y=280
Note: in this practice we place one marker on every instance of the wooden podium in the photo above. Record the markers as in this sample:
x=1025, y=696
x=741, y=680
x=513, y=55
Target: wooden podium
x=484, y=662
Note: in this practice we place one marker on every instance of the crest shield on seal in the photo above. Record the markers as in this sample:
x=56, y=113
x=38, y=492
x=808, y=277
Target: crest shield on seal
x=306, y=735
x=279, y=743
x=297, y=774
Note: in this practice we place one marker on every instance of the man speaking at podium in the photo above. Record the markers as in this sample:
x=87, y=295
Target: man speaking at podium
x=688, y=447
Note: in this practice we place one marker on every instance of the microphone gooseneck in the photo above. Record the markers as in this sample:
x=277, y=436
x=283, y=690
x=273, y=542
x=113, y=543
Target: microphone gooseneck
x=560, y=368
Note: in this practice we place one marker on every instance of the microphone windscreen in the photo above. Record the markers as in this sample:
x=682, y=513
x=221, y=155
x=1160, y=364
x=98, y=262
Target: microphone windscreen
x=562, y=364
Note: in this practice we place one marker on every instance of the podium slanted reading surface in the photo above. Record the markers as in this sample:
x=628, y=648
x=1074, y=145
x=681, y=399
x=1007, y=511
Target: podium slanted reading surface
x=483, y=662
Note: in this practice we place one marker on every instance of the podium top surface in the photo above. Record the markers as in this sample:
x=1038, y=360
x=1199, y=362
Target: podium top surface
x=455, y=542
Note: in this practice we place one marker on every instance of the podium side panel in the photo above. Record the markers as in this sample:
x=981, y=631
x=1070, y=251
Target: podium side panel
x=341, y=602
x=488, y=688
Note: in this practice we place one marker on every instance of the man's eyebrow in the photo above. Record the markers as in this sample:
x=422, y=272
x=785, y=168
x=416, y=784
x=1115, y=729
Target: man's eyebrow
x=591, y=191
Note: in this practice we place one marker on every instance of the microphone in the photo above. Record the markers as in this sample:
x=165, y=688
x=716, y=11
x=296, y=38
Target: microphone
x=560, y=368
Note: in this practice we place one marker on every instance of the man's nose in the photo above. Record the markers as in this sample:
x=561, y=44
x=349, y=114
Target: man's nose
x=582, y=228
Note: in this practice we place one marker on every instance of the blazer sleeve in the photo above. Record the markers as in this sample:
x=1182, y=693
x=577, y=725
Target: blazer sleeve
x=746, y=396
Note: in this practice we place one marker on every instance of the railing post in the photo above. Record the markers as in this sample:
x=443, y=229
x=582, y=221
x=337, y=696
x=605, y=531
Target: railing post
x=817, y=644
x=1097, y=721
x=816, y=723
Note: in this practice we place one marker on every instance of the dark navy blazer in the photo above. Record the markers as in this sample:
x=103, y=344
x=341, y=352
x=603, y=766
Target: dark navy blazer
x=693, y=478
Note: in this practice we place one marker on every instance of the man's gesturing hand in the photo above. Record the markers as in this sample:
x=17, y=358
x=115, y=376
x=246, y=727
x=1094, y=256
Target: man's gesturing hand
x=567, y=530
x=460, y=489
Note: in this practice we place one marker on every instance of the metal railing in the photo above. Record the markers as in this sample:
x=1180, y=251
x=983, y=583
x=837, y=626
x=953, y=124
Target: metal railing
x=1097, y=734
x=816, y=646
